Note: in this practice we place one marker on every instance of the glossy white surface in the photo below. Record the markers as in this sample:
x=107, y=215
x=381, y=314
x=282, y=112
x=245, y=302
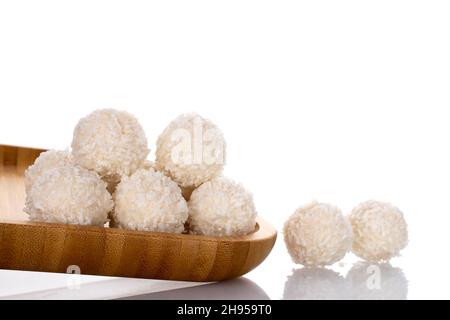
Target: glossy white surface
x=339, y=101
x=273, y=280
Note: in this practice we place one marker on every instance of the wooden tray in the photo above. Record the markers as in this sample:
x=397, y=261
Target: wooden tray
x=51, y=247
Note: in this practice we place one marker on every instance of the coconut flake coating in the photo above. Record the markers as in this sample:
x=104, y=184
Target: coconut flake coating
x=110, y=142
x=113, y=181
x=380, y=231
x=191, y=150
x=317, y=235
x=147, y=165
x=71, y=195
x=221, y=207
x=46, y=161
x=149, y=201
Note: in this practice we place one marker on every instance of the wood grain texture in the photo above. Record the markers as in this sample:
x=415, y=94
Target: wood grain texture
x=51, y=247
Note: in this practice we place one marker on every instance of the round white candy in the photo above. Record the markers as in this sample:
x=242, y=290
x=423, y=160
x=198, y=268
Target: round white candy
x=221, y=207
x=46, y=161
x=110, y=142
x=317, y=235
x=191, y=150
x=380, y=231
x=149, y=201
x=71, y=195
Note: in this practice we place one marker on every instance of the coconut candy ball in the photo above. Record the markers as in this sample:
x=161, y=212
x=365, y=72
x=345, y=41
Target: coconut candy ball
x=71, y=195
x=317, y=235
x=380, y=231
x=191, y=150
x=221, y=207
x=46, y=161
x=149, y=201
x=110, y=142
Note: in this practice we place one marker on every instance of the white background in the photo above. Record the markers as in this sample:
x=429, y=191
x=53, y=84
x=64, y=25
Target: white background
x=339, y=101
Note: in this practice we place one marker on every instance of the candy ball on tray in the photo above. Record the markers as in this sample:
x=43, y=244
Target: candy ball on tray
x=110, y=142
x=71, y=195
x=149, y=201
x=221, y=207
x=191, y=150
x=47, y=160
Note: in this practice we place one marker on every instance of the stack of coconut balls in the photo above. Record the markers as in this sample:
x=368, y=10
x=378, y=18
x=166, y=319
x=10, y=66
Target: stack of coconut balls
x=107, y=178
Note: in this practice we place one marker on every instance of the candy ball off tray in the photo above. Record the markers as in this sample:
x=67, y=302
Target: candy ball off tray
x=380, y=231
x=110, y=142
x=221, y=207
x=71, y=195
x=191, y=150
x=317, y=235
x=149, y=201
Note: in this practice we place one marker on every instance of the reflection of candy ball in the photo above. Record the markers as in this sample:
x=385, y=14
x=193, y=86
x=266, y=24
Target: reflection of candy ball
x=315, y=284
x=221, y=207
x=46, y=161
x=69, y=194
x=149, y=201
x=377, y=282
x=317, y=235
x=110, y=142
x=380, y=231
x=191, y=150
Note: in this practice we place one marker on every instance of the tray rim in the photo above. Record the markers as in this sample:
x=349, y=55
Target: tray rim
x=263, y=231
